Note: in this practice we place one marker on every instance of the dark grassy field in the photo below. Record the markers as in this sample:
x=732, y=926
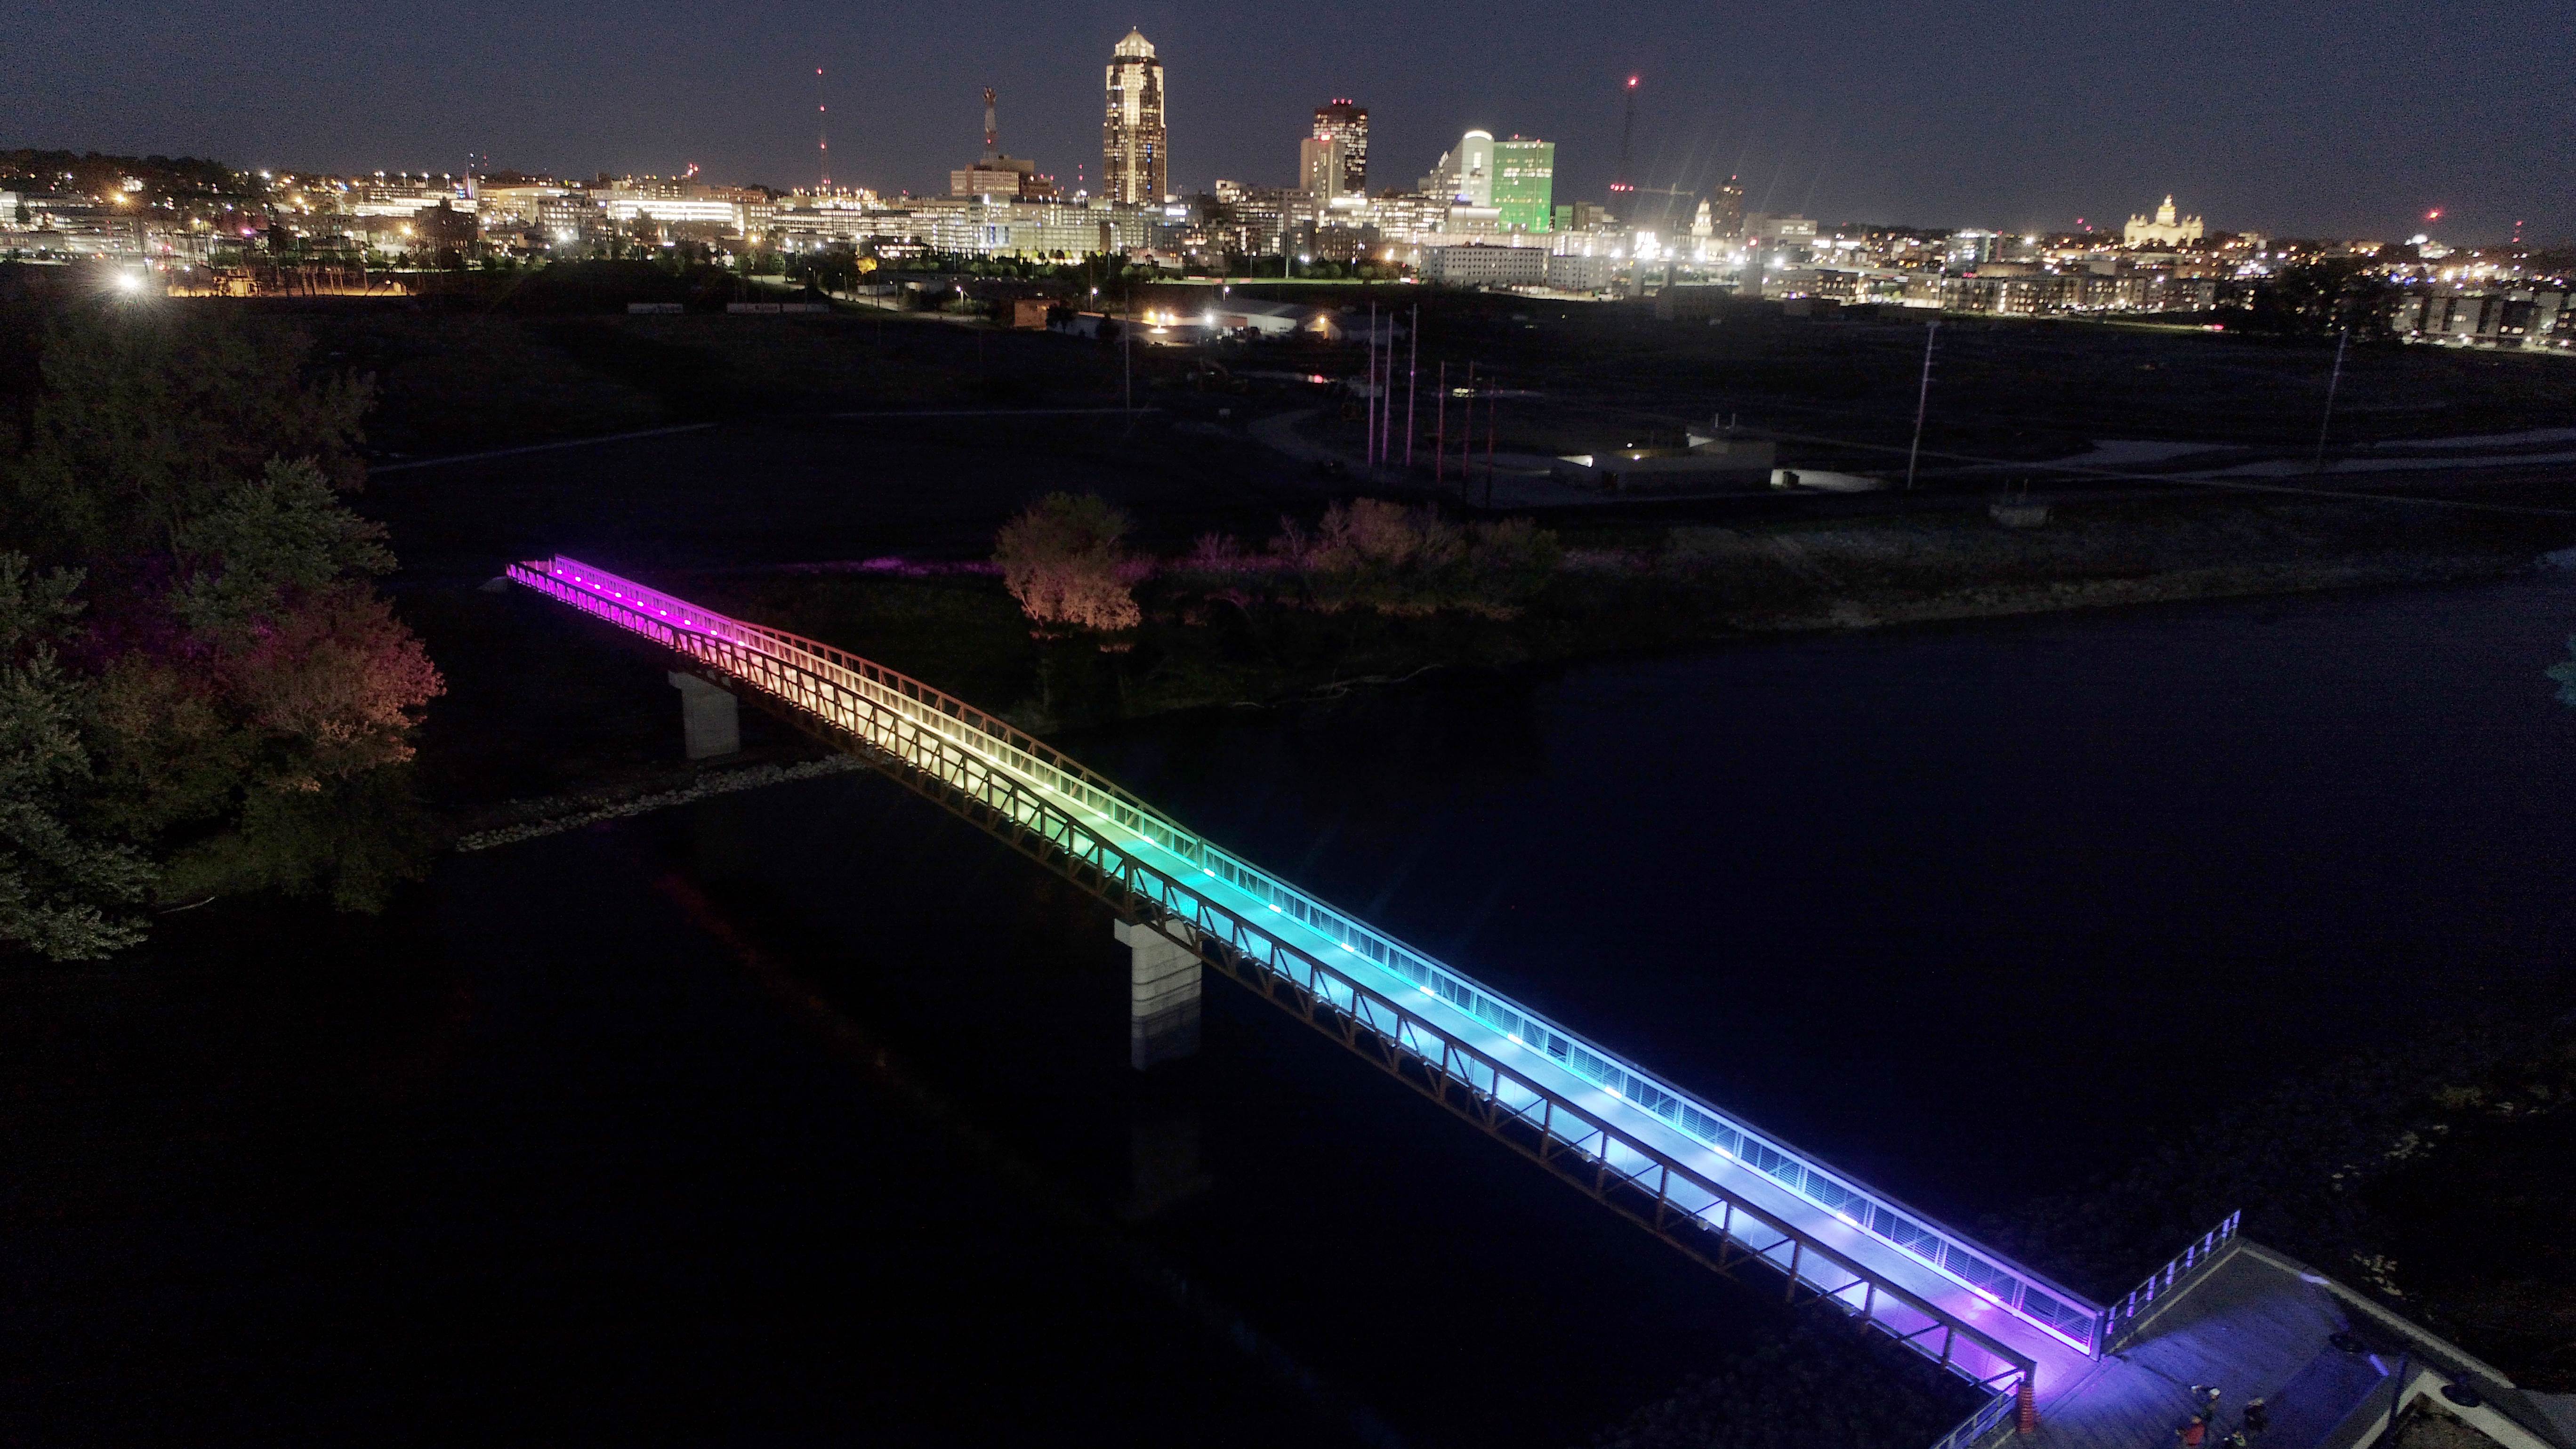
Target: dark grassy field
x=459, y=379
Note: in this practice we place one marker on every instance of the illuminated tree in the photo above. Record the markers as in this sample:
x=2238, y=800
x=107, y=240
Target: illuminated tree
x=1062, y=559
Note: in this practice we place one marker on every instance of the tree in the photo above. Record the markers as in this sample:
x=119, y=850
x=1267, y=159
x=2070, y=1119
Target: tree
x=144, y=415
x=66, y=887
x=1372, y=554
x=1062, y=559
x=233, y=709
x=2322, y=298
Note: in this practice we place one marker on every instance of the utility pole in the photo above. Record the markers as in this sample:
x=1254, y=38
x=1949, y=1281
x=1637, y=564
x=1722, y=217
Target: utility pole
x=1368, y=398
x=1489, y=450
x=1440, y=429
x=1385, y=382
x=1467, y=437
x=1922, y=398
x=2332, y=382
x=1386, y=409
x=1412, y=372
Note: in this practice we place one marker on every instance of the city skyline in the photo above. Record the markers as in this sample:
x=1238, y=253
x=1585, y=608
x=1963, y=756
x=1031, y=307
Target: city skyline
x=2318, y=137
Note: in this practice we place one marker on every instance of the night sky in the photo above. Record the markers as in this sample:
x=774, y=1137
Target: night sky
x=2348, y=118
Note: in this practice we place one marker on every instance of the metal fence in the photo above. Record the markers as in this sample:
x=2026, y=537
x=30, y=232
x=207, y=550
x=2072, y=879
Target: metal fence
x=1052, y=808
x=2121, y=1319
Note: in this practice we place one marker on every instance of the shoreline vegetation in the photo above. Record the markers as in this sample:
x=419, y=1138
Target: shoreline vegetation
x=1379, y=594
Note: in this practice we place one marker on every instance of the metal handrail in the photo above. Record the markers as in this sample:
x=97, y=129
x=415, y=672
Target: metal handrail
x=1974, y=1430
x=2121, y=1319
x=678, y=623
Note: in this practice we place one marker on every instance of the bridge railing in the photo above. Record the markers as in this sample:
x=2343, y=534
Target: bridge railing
x=1991, y=1421
x=2123, y=1318
x=830, y=682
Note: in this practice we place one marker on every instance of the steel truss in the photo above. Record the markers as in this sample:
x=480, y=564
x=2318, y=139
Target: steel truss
x=918, y=740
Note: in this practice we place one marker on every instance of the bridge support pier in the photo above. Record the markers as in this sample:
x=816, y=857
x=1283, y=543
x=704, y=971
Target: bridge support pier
x=1162, y=997
x=710, y=718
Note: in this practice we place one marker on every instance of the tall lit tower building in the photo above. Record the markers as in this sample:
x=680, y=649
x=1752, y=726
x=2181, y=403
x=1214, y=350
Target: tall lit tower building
x=1343, y=126
x=1134, y=170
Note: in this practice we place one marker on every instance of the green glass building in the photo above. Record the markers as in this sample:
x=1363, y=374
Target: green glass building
x=1524, y=183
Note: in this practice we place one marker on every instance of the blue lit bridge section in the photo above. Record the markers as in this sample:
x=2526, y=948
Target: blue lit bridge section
x=1713, y=1185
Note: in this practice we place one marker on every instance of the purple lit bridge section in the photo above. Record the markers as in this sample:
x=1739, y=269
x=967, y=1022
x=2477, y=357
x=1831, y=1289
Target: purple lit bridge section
x=1724, y=1192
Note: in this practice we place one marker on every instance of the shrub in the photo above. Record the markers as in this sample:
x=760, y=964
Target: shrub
x=1062, y=560
x=1383, y=556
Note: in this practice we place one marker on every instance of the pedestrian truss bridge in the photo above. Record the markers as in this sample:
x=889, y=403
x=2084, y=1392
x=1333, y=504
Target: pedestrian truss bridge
x=1712, y=1184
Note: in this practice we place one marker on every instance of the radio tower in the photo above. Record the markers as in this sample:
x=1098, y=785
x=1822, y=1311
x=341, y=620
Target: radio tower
x=1624, y=187
x=822, y=137
x=992, y=129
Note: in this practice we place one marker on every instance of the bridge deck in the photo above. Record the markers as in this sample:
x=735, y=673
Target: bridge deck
x=2059, y=1363
x=1993, y=1321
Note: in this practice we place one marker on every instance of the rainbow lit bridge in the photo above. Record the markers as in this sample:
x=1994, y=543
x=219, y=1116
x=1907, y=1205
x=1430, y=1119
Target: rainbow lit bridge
x=1721, y=1190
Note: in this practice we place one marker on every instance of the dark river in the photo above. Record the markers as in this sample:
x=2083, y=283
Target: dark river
x=803, y=1115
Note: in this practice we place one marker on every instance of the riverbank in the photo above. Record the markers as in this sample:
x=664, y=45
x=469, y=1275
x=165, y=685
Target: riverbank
x=1261, y=634
x=596, y=728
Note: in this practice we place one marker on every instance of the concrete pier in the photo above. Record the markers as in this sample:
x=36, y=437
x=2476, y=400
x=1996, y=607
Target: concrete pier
x=710, y=718
x=1162, y=997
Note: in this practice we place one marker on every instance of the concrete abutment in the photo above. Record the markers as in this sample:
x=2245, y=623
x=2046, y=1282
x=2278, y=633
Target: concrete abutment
x=1162, y=996
x=710, y=718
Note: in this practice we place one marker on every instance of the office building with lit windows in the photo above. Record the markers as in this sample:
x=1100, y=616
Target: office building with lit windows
x=1524, y=187
x=1134, y=170
x=1342, y=126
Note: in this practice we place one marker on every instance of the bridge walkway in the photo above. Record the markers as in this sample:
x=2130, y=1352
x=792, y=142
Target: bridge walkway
x=2327, y=1363
x=1722, y=1190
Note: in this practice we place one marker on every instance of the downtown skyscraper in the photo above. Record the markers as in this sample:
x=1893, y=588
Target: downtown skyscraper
x=1341, y=142
x=1134, y=170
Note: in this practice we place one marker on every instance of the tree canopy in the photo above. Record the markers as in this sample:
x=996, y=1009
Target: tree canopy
x=201, y=689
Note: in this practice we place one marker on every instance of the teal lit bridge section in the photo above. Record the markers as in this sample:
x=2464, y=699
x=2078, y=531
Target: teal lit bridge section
x=1717, y=1187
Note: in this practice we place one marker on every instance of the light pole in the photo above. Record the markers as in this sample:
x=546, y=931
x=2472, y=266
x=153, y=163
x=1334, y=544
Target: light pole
x=2342, y=340
x=1922, y=398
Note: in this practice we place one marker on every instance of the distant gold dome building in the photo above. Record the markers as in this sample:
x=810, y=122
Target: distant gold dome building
x=2166, y=230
